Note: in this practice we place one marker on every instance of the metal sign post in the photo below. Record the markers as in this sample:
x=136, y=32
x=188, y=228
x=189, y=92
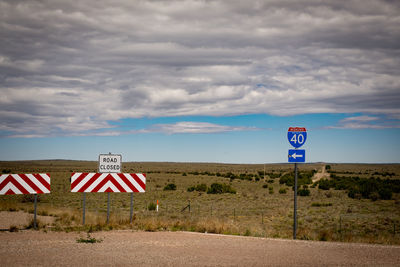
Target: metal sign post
x=34, y=214
x=295, y=203
x=108, y=207
x=297, y=137
x=131, y=213
x=84, y=204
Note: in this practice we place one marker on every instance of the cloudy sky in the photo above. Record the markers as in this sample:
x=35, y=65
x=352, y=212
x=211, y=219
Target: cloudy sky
x=211, y=81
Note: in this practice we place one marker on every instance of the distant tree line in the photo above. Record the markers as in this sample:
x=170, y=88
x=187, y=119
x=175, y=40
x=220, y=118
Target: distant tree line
x=356, y=187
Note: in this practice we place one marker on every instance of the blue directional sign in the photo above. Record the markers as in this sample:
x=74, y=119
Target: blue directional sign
x=297, y=155
x=297, y=136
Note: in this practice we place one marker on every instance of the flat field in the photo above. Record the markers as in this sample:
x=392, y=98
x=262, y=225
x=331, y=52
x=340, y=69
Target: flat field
x=261, y=206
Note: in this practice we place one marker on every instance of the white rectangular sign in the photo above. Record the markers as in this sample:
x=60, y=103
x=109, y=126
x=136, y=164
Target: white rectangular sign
x=110, y=163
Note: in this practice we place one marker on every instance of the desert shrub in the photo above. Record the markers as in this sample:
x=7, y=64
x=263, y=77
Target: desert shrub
x=374, y=196
x=385, y=193
x=271, y=190
x=328, y=167
x=324, y=184
x=199, y=187
x=282, y=191
x=191, y=189
x=317, y=204
x=270, y=181
x=152, y=206
x=303, y=191
x=217, y=188
x=170, y=187
x=265, y=186
x=302, y=178
x=184, y=174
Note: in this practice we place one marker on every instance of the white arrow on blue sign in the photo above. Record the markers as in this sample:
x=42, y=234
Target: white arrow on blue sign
x=297, y=136
x=297, y=155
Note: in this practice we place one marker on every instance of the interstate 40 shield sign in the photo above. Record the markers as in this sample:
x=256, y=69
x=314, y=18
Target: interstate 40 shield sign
x=297, y=136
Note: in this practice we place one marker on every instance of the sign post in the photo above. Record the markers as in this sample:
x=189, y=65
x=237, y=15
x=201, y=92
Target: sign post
x=32, y=183
x=297, y=137
x=109, y=163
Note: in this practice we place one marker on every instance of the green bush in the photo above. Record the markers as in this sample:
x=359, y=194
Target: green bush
x=385, y=193
x=304, y=191
x=152, y=206
x=191, y=189
x=271, y=190
x=199, y=187
x=282, y=191
x=324, y=184
x=170, y=187
x=217, y=188
x=265, y=186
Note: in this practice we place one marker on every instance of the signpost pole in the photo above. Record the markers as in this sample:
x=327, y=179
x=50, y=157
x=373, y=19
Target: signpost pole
x=108, y=207
x=295, y=202
x=84, y=204
x=34, y=214
x=131, y=213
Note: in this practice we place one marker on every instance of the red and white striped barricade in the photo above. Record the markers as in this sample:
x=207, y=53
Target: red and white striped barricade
x=36, y=183
x=108, y=182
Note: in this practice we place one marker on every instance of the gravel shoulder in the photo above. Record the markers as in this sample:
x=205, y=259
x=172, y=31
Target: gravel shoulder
x=122, y=248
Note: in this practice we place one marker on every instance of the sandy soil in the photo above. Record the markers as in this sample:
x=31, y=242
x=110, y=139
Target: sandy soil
x=123, y=248
x=20, y=219
x=321, y=174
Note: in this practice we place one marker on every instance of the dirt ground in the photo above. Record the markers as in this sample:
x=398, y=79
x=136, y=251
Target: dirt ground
x=321, y=174
x=123, y=248
x=20, y=219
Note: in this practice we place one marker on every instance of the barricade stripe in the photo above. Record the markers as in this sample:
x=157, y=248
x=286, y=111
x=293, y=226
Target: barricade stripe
x=121, y=182
x=39, y=182
x=3, y=177
x=127, y=182
x=142, y=177
x=96, y=179
x=10, y=180
x=10, y=187
x=104, y=182
x=88, y=180
x=26, y=183
x=115, y=182
x=77, y=178
x=100, y=184
x=108, y=185
x=137, y=186
x=139, y=180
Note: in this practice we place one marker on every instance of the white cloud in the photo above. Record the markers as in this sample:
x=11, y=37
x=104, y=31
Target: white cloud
x=68, y=68
x=366, y=122
x=195, y=128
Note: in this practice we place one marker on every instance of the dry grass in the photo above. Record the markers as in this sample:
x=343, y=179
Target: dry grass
x=252, y=211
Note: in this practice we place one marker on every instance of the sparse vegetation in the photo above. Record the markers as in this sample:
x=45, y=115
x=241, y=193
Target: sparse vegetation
x=217, y=188
x=369, y=188
x=88, y=239
x=326, y=214
x=170, y=187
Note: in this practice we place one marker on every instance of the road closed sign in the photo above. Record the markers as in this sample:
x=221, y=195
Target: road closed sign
x=109, y=163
